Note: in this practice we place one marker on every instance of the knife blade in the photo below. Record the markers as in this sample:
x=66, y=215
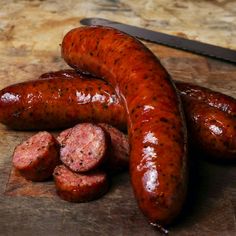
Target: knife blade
x=167, y=40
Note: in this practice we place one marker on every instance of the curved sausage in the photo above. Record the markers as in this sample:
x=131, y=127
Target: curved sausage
x=156, y=127
x=84, y=147
x=211, y=130
x=59, y=102
x=36, y=158
x=212, y=98
x=77, y=187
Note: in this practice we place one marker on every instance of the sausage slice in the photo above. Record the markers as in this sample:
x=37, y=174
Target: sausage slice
x=37, y=157
x=84, y=147
x=118, y=159
x=78, y=187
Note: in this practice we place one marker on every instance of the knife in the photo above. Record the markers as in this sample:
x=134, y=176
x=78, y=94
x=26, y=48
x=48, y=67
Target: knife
x=167, y=40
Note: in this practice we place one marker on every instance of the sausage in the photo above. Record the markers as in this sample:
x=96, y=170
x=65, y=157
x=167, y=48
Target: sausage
x=156, y=127
x=212, y=98
x=84, y=147
x=78, y=187
x=114, y=114
x=118, y=159
x=186, y=90
x=211, y=130
x=58, y=102
x=118, y=150
x=23, y=106
x=36, y=157
x=197, y=95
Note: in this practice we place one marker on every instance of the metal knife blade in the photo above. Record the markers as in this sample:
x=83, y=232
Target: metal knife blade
x=167, y=40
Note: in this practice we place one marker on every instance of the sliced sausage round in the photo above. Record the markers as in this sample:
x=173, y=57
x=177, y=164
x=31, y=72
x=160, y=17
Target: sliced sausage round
x=84, y=148
x=77, y=187
x=37, y=157
x=118, y=159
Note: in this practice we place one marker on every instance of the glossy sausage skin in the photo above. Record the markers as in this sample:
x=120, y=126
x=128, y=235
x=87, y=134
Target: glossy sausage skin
x=115, y=113
x=86, y=99
x=157, y=133
x=211, y=130
x=215, y=99
x=224, y=146
x=59, y=101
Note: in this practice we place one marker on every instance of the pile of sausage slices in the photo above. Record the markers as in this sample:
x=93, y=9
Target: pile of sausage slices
x=79, y=159
x=117, y=84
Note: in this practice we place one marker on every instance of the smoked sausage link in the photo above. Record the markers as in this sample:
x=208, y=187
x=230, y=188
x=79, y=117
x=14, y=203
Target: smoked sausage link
x=156, y=127
x=37, y=157
x=211, y=130
x=215, y=99
x=59, y=100
x=24, y=111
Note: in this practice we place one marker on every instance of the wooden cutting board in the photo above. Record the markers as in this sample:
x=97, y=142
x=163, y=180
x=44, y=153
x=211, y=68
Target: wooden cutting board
x=34, y=209
x=28, y=208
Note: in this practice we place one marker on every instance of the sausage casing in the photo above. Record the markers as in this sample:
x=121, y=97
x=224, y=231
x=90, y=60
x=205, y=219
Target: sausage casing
x=212, y=98
x=211, y=130
x=59, y=102
x=156, y=126
x=115, y=113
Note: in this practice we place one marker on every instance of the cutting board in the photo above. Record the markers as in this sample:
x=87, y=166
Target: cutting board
x=29, y=208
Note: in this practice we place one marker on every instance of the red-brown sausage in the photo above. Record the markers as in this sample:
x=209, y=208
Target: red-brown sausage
x=197, y=94
x=59, y=102
x=77, y=187
x=37, y=157
x=23, y=106
x=84, y=147
x=211, y=130
x=156, y=126
x=114, y=114
x=212, y=98
x=187, y=90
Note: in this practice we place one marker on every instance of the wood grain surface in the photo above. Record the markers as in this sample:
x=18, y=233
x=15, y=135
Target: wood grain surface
x=28, y=208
